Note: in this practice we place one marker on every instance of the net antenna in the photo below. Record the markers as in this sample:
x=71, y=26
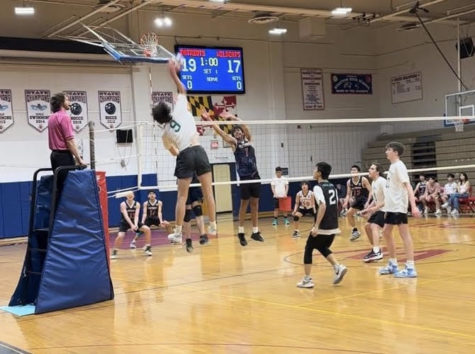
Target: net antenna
x=122, y=48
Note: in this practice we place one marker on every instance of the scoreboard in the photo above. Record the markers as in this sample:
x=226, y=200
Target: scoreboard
x=216, y=70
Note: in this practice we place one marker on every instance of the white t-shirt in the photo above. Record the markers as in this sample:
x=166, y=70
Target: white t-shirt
x=450, y=188
x=395, y=196
x=279, y=186
x=182, y=128
x=377, y=187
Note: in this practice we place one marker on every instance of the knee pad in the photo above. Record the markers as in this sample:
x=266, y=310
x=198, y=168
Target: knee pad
x=187, y=217
x=296, y=218
x=197, y=210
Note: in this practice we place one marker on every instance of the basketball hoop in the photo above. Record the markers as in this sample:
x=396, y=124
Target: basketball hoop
x=149, y=42
x=459, y=123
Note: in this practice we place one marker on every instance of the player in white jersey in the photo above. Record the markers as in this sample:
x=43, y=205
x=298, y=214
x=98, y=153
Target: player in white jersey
x=181, y=139
x=398, y=192
x=304, y=204
x=374, y=212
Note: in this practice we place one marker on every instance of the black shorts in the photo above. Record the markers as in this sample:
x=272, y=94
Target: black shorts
x=276, y=203
x=249, y=190
x=124, y=226
x=154, y=220
x=395, y=218
x=304, y=211
x=359, y=203
x=194, y=195
x=190, y=161
x=377, y=218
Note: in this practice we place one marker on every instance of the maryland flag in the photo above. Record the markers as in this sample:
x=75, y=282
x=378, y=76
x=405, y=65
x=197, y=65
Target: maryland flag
x=201, y=104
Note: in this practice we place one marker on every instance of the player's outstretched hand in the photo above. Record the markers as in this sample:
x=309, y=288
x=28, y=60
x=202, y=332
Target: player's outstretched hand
x=206, y=116
x=227, y=115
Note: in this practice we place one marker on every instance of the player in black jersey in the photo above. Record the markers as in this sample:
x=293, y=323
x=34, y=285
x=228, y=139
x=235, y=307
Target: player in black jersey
x=152, y=215
x=420, y=190
x=326, y=226
x=358, y=189
x=130, y=221
x=246, y=167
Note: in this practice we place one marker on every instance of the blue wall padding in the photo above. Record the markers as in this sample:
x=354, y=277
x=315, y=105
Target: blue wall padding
x=76, y=270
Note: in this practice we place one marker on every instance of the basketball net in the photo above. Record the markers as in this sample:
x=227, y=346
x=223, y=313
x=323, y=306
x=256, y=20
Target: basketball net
x=459, y=123
x=149, y=42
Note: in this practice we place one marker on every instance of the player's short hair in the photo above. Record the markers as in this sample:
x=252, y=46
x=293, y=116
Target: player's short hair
x=378, y=167
x=161, y=112
x=357, y=167
x=396, y=146
x=450, y=175
x=422, y=175
x=57, y=101
x=151, y=193
x=278, y=169
x=305, y=183
x=324, y=168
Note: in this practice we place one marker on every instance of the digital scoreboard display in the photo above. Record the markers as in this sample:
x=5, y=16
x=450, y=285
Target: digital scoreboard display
x=212, y=69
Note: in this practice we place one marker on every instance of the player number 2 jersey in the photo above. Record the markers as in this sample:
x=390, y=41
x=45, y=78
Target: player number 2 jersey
x=326, y=193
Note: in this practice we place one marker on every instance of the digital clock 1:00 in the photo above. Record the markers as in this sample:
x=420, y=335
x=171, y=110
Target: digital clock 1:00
x=212, y=69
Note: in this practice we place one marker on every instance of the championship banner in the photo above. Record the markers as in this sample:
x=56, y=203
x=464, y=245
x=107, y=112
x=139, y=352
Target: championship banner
x=358, y=84
x=78, y=109
x=6, y=110
x=312, y=89
x=166, y=96
x=406, y=87
x=37, y=108
x=214, y=105
x=109, y=109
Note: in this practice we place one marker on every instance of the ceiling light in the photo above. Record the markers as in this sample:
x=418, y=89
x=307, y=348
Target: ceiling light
x=24, y=10
x=163, y=22
x=341, y=11
x=278, y=31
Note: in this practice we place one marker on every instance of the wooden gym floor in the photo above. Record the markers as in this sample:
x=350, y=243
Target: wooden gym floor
x=224, y=298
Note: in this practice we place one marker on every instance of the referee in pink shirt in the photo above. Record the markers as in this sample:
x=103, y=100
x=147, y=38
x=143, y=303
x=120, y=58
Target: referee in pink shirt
x=61, y=136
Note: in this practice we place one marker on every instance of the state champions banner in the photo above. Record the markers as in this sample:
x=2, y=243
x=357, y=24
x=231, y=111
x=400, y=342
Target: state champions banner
x=214, y=105
x=37, y=108
x=6, y=110
x=110, y=112
x=78, y=109
x=357, y=84
x=166, y=96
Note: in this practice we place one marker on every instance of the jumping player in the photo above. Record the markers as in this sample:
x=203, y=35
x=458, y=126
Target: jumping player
x=374, y=211
x=357, y=191
x=181, y=139
x=130, y=221
x=304, y=204
x=326, y=226
x=398, y=192
x=246, y=167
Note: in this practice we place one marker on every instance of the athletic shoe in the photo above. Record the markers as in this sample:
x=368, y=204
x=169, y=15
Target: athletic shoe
x=132, y=245
x=242, y=239
x=343, y=212
x=406, y=273
x=256, y=236
x=449, y=210
x=189, y=245
x=339, y=274
x=426, y=211
x=445, y=205
x=212, y=230
x=438, y=212
x=455, y=213
x=147, y=250
x=204, y=239
x=296, y=234
x=306, y=283
x=372, y=256
x=355, y=234
x=274, y=222
x=175, y=238
x=286, y=222
x=114, y=254
x=389, y=269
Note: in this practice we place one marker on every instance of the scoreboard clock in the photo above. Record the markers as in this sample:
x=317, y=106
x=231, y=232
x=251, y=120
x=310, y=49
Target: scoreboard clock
x=217, y=70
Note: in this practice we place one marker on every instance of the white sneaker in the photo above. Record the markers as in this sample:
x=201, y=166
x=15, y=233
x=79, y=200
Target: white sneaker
x=305, y=283
x=212, y=230
x=438, y=212
x=132, y=245
x=455, y=213
x=147, y=250
x=445, y=205
x=426, y=211
x=175, y=238
x=340, y=273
